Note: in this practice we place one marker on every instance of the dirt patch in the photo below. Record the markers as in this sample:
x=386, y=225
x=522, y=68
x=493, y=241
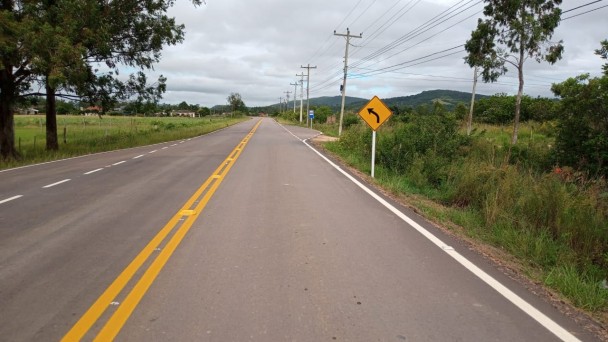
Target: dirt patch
x=321, y=138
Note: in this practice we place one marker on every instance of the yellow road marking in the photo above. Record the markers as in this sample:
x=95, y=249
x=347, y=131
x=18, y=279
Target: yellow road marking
x=188, y=212
x=120, y=316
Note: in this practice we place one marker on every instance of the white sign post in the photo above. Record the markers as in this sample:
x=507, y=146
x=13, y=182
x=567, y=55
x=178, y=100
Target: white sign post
x=373, y=152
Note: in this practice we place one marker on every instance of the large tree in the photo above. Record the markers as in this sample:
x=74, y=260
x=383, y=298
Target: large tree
x=514, y=31
x=14, y=69
x=236, y=102
x=64, y=45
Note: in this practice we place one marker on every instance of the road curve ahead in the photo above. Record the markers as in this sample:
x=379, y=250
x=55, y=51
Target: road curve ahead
x=244, y=234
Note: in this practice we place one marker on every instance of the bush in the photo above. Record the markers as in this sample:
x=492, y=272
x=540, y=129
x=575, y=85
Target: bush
x=582, y=138
x=429, y=142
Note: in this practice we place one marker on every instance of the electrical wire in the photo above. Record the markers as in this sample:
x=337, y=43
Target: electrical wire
x=576, y=15
x=430, y=24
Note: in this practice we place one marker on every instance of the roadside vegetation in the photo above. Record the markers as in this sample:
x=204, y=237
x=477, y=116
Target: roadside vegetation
x=544, y=200
x=80, y=135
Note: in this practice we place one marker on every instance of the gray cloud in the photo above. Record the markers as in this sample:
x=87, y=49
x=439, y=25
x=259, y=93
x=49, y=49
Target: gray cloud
x=257, y=47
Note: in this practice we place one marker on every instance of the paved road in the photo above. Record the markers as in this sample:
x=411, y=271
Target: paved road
x=278, y=245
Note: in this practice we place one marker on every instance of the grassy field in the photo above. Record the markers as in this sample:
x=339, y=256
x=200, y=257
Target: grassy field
x=80, y=135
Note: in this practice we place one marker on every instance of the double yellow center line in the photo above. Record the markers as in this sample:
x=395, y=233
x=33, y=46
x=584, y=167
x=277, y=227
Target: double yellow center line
x=187, y=215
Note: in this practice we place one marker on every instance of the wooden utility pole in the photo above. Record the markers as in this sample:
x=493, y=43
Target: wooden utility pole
x=301, y=94
x=348, y=37
x=286, y=99
x=308, y=67
x=295, y=95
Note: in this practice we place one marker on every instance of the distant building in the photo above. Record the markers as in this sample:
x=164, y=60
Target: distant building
x=183, y=113
x=28, y=111
x=90, y=111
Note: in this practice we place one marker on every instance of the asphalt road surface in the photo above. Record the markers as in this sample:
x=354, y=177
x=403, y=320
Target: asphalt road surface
x=245, y=234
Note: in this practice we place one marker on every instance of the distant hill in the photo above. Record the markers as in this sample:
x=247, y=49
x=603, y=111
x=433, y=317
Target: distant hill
x=449, y=98
x=335, y=101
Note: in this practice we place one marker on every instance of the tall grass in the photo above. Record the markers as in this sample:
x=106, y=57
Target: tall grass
x=555, y=221
x=79, y=135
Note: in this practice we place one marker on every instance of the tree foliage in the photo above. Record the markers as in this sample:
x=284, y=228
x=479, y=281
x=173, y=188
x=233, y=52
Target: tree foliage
x=514, y=31
x=499, y=108
x=64, y=44
x=236, y=102
x=603, y=53
x=582, y=139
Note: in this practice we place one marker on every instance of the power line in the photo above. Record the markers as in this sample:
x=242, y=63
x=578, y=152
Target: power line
x=348, y=15
x=593, y=10
x=439, y=19
x=421, y=41
x=374, y=72
x=363, y=12
x=433, y=22
x=581, y=6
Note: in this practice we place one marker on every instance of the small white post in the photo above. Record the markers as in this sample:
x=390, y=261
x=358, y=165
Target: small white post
x=373, y=152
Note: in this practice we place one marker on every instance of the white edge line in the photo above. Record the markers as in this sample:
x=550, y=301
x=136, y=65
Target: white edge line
x=139, y=156
x=10, y=199
x=164, y=148
x=60, y=182
x=526, y=307
x=97, y=170
x=153, y=151
x=120, y=162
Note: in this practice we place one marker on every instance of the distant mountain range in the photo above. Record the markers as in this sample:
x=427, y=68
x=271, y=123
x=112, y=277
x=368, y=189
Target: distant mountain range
x=448, y=98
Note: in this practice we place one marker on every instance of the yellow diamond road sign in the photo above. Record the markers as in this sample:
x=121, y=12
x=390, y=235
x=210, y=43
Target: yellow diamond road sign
x=375, y=113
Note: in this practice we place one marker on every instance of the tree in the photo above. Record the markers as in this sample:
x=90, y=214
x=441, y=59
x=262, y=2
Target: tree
x=603, y=53
x=514, y=31
x=204, y=111
x=582, y=138
x=236, y=102
x=55, y=42
x=14, y=72
x=322, y=113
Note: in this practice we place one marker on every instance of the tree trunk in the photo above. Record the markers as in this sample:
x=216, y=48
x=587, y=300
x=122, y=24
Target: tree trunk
x=470, y=119
x=520, y=92
x=517, y=108
x=7, y=125
x=52, y=143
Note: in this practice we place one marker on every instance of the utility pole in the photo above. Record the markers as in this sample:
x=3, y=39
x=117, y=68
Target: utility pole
x=308, y=67
x=301, y=94
x=280, y=104
x=287, y=99
x=295, y=95
x=348, y=37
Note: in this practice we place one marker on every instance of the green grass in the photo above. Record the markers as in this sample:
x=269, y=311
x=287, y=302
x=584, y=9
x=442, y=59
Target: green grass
x=81, y=135
x=554, y=225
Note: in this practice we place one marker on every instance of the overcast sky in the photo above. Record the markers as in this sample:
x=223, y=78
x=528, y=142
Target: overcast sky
x=256, y=48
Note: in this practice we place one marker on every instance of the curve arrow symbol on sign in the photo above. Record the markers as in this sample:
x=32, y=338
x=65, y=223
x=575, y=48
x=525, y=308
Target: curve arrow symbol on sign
x=371, y=112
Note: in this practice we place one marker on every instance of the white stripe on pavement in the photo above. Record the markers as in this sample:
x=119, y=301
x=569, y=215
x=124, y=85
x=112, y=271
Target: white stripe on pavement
x=97, y=170
x=54, y=184
x=10, y=199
